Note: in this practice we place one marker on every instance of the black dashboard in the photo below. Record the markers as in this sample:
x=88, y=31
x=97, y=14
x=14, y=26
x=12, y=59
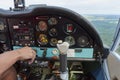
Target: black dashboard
x=42, y=27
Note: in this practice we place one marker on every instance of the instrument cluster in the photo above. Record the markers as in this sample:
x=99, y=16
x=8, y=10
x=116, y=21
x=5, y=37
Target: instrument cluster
x=50, y=29
x=41, y=28
x=45, y=31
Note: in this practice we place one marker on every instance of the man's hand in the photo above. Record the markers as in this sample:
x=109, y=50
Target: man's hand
x=26, y=53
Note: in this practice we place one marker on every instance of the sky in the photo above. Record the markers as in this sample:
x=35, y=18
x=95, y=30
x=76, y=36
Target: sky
x=80, y=6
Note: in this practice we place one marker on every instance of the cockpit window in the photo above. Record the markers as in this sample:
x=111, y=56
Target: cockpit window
x=105, y=25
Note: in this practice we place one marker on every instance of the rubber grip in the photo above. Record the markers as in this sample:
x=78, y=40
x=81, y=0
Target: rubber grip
x=63, y=62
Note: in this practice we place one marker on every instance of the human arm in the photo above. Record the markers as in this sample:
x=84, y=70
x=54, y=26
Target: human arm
x=9, y=58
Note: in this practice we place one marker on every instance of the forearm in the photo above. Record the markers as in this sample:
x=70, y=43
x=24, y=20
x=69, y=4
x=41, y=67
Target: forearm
x=10, y=74
x=7, y=59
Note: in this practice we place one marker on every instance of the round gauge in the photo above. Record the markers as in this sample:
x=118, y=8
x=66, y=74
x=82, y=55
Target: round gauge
x=2, y=26
x=83, y=41
x=42, y=25
x=52, y=21
x=70, y=40
x=53, y=42
x=69, y=28
x=53, y=32
x=43, y=39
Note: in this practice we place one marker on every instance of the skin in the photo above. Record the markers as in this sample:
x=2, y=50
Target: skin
x=8, y=59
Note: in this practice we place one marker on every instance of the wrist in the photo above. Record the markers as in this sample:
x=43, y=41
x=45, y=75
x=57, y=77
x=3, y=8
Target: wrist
x=17, y=53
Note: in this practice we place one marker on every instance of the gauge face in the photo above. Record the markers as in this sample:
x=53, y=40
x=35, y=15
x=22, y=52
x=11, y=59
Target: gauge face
x=43, y=39
x=83, y=41
x=53, y=42
x=69, y=28
x=52, y=21
x=42, y=25
x=53, y=32
x=70, y=40
x=1, y=26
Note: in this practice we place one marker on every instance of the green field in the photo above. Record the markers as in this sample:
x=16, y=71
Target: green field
x=105, y=26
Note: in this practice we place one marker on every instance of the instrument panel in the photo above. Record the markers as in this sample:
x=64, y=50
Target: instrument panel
x=42, y=31
x=41, y=28
x=45, y=31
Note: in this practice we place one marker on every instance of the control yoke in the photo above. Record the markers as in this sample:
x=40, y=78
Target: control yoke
x=63, y=48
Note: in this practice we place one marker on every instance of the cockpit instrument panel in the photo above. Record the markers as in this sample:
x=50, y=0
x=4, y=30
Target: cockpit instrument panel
x=42, y=30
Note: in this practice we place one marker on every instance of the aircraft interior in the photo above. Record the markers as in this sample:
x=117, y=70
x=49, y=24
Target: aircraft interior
x=42, y=27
